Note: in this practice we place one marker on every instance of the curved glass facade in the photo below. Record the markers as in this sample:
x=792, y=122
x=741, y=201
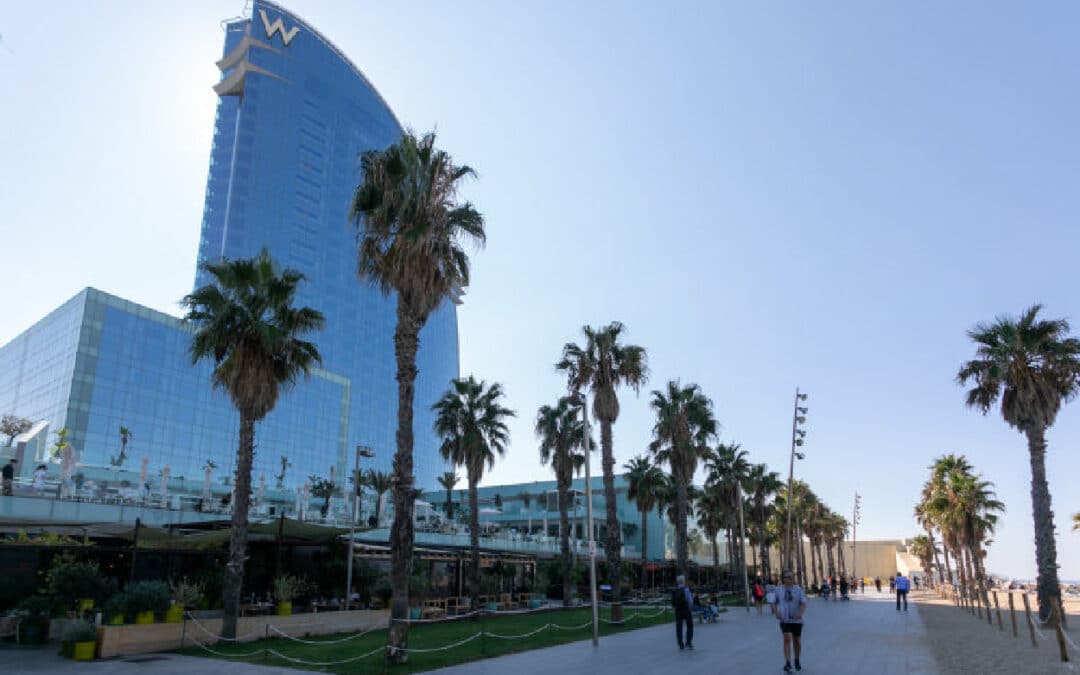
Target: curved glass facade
x=293, y=117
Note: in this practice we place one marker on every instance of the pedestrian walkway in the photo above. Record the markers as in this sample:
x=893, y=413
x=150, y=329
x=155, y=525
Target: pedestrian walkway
x=865, y=635
x=45, y=661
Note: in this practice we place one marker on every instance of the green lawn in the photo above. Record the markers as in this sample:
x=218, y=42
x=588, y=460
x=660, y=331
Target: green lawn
x=435, y=635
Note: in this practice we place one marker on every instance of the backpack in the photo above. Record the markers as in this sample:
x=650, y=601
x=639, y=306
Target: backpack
x=678, y=600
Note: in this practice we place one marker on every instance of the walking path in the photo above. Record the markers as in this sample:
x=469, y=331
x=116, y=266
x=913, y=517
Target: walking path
x=42, y=661
x=866, y=635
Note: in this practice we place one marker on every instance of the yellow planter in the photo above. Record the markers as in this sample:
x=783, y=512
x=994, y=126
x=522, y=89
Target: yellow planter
x=84, y=651
x=144, y=618
x=117, y=620
x=175, y=614
x=284, y=608
x=86, y=604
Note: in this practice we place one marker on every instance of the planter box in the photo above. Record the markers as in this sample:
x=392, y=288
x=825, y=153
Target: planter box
x=175, y=614
x=163, y=637
x=144, y=618
x=83, y=651
x=284, y=608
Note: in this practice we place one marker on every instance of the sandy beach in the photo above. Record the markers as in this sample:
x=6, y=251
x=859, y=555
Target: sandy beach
x=964, y=645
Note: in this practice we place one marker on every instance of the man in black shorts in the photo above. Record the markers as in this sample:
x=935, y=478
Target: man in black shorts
x=789, y=608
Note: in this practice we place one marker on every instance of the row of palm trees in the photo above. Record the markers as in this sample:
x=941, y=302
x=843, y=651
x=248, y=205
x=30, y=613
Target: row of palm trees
x=963, y=510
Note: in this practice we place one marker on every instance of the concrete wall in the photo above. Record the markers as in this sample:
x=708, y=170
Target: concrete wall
x=132, y=639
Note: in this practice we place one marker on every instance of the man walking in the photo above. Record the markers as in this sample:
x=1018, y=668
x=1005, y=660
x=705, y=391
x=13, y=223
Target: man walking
x=9, y=477
x=789, y=609
x=903, y=585
x=682, y=602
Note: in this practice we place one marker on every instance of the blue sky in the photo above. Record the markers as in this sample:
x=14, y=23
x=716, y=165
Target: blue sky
x=767, y=195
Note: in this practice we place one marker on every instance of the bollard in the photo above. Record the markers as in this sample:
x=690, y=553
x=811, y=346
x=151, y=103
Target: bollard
x=1060, y=634
x=997, y=606
x=986, y=598
x=1031, y=624
x=1012, y=615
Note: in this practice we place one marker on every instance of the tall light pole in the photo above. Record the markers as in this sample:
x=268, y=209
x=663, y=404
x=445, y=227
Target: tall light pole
x=582, y=400
x=361, y=451
x=797, y=436
x=742, y=545
x=856, y=513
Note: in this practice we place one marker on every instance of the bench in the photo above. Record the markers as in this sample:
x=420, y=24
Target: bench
x=457, y=605
x=9, y=626
x=433, y=609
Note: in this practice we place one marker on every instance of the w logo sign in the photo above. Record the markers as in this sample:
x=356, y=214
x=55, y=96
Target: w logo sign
x=278, y=26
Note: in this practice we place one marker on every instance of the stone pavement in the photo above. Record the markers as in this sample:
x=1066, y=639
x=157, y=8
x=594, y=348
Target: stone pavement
x=45, y=661
x=865, y=636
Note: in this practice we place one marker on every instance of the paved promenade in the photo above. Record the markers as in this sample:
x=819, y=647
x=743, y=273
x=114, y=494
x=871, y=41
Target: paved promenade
x=866, y=635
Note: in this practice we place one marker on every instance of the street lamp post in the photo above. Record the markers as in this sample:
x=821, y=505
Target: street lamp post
x=797, y=436
x=742, y=544
x=855, y=514
x=361, y=451
x=581, y=399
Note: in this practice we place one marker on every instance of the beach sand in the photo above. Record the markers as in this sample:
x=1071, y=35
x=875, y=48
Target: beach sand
x=964, y=645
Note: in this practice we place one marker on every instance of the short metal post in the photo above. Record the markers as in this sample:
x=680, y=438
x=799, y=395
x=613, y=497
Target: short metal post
x=1031, y=624
x=1012, y=615
x=997, y=606
x=1060, y=634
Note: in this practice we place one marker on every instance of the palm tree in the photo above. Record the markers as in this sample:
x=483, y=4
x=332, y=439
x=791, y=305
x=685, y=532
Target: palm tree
x=447, y=481
x=471, y=420
x=603, y=365
x=245, y=322
x=1076, y=522
x=380, y=483
x=922, y=547
x=561, y=434
x=1032, y=365
x=684, y=426
x=712, y=516
x=410, y=229
x=762, y=484
x=645, y=483
x=125, y=438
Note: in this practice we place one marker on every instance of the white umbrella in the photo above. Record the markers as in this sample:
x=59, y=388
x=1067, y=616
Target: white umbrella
x=298, y=495
x=304, y=503
x=142, y=473
x=67, y=468
x=165, y=486
x=207, y=470
x=262, y=490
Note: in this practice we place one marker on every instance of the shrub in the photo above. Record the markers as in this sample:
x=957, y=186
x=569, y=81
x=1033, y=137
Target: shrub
x=187, y=593
x=381, y=589
x=38, y=607
x=70, y=580
x=288, y=587
x=80, y=631
x=116, y=605
x=148, y=596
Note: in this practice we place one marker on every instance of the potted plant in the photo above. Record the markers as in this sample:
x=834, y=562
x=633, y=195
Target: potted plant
x=78, y=584
x=148, y=600
x=114, y=609
x=185, y=595
x=381, y=592
x=80, y=640
x=286, y=588
x=36, y=611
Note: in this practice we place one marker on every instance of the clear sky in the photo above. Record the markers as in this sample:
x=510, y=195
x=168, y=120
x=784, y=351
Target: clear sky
x=767, y=194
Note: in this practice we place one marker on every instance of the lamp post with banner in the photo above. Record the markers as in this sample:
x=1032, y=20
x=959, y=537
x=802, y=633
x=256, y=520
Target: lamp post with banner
x=361, y=451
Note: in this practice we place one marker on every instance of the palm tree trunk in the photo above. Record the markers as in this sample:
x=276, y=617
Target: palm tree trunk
x=614, y=533
x=680, y=526
x=948, y=567
x=233, y=582
x=937, y=560
x=564, y=539
x=716, y=559
x=1047, y=584
x=644, y=545
x=474, y=541
x=800, y=554
x=832, y=561
x=406, y=343
x=980, y=580
x=449, y=506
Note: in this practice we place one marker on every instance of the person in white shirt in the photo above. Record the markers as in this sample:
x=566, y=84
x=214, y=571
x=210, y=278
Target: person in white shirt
x=789, y=608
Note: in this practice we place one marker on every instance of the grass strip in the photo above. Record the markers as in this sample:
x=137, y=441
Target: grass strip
x=524, y=631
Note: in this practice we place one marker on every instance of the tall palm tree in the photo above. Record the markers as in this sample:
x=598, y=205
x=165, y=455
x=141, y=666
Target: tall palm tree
x=471, y=420
x=762, y=484
x=602, y=366
x=410, y=230
x=247, y=324
x=712, y=516
x=922, y=547
x=447, y=481
x=684, y=426
x=125, y=438
x=1033, y=366
x=561, y=433
x=645, y=483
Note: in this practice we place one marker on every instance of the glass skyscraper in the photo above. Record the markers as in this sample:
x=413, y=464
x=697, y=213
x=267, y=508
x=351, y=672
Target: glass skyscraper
x=293, y=117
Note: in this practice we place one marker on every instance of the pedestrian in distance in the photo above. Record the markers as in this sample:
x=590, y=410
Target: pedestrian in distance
x=877, y=583
x=903, y=585
x=759, y=596
x=789, y=609
x=39, y=478
x=682, y=601
x=8, y=473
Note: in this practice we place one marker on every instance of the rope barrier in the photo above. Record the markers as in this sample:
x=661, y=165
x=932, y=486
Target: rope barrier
x=326, y=663
x=321, y=642
x=518, y=637
x=215, y=652
x=220, y=637
x=413, y=650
